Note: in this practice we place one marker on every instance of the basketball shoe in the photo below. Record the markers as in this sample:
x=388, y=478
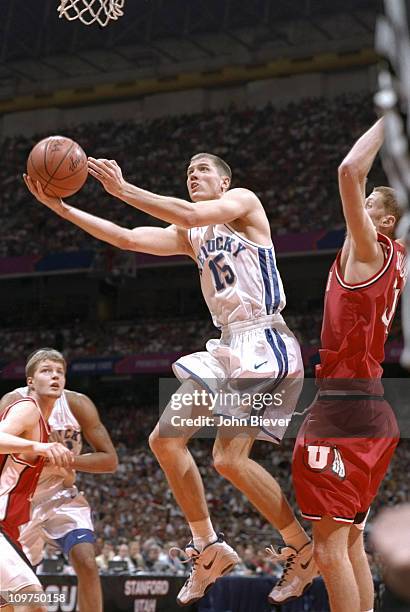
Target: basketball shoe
x=298, y=574
x=215, y=560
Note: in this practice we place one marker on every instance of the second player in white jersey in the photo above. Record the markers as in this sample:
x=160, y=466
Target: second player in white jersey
x=60, y=514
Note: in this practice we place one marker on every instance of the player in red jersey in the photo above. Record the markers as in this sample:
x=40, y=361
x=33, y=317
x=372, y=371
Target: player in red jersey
x=23, y=452
x=344, y=446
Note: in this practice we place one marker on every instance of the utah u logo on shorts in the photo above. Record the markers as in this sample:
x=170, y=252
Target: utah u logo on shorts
x=320, y=458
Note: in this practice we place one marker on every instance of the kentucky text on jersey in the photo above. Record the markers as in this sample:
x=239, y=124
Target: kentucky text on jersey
x=220, y=243
x=239, y=278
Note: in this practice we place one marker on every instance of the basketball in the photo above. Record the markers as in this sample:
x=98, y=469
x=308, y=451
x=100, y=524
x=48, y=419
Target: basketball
x=60, y=165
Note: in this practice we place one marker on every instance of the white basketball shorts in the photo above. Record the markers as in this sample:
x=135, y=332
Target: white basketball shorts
x=53, y=518
x=15, y=572
x=259, y=358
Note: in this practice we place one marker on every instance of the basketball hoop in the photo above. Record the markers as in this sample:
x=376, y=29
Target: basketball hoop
x=91, y=11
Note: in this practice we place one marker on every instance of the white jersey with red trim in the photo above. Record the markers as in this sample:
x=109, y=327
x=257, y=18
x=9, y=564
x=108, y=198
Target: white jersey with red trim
x=18, y=480
x=240, y=280
x=64, y=428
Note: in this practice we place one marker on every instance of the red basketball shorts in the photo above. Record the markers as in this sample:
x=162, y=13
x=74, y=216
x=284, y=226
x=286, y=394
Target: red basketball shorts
x=341, y=455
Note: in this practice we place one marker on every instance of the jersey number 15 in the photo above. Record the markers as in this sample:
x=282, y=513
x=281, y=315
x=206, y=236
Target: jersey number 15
x=222, y=272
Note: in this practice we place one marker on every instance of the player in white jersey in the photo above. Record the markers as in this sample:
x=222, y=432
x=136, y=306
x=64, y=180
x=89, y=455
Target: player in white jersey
x=226, y=232
x=60, y=514
x=24, y=448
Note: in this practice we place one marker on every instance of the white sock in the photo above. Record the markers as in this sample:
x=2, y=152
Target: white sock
x=294, y=535
x=372, y=610
x=202, y=533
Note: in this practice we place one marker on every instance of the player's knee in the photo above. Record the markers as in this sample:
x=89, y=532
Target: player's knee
x=87, y=566
x=157, y=444
x=320, y=556
x=226, y=465
x=328, y=556
x=154, y=441
x=83, y=560
x=162, y=447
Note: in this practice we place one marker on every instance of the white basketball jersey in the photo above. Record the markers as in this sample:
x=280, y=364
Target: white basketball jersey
x=239, y=278
x=64, y=428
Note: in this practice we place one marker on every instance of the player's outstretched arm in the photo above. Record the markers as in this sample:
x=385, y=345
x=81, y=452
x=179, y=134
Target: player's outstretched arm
x=104, y=458
x=352, y=181
x=153, y=240
x=232, y=205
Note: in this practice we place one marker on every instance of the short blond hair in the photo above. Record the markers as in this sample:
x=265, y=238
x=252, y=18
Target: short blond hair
x=219, y=163
x=34, y=360
x=390, y=203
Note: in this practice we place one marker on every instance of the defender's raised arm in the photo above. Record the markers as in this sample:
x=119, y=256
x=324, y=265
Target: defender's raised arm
x=352, y=181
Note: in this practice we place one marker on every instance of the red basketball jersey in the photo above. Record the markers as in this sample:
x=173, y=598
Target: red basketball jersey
x=357, y=318
x=18, y=480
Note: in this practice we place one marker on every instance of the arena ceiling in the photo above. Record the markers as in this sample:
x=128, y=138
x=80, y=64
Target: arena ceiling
x=38, y=47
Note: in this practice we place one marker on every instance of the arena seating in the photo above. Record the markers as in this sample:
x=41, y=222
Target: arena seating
x=288, y=156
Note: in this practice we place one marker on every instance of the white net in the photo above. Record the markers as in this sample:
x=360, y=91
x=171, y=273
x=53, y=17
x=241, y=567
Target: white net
x=91, y=11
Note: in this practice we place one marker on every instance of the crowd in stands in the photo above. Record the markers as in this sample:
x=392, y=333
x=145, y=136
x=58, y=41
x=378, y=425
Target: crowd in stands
x=288, y=156
x=148, y=336
x=113, y=339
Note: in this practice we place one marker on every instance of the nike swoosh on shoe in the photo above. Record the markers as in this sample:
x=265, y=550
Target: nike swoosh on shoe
x=306, y=565
x=210, y=564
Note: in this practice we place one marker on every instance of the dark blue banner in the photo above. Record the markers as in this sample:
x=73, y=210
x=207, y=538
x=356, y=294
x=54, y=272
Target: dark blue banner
x=100, y=365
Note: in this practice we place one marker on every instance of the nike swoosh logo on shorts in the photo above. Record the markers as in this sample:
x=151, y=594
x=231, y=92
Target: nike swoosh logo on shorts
x=209, y=565
x=306, y=565
x=257, y=366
